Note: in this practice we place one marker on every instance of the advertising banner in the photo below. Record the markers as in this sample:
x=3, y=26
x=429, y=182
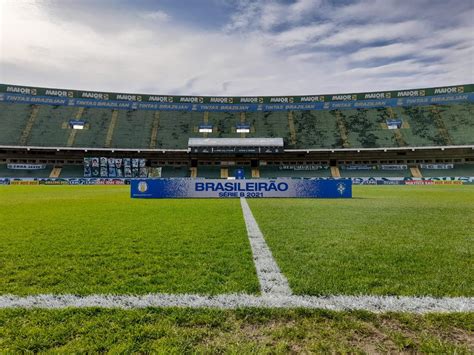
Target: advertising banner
x=115, y=100
x=437, y=166
x=258, y=188
x=444, y=180
x=394, y=167
x=303, y=167
x=212, y=107
x=26, y=166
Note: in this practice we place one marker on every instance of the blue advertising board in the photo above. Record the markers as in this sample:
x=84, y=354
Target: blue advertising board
x=258, y=188
x=330, y=105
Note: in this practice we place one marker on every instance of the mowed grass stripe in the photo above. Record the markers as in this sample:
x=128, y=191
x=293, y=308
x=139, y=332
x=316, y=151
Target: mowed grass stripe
x=399, y=240
x=96, y=240
x=185, y=330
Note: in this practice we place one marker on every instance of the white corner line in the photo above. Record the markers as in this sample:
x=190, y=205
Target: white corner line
x=272, y=281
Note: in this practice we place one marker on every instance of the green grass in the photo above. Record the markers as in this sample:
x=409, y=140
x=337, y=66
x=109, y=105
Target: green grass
x=400, y=240
x=241, y=331
x=85, y=240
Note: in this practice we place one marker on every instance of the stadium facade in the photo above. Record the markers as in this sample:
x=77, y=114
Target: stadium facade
x=404, y=133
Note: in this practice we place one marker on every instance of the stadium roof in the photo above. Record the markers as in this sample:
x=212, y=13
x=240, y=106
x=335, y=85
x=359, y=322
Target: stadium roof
x=235, y=142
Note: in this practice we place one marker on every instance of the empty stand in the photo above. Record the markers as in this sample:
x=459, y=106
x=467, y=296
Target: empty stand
x=274, y=171
x=72, y=171
x=375, y=173
x=209, y=171
x=175, y=171
x=458, y=121
x=316, y=129
x=13, y=119
x=458, y=170
x=98, y=120
x=47, y=125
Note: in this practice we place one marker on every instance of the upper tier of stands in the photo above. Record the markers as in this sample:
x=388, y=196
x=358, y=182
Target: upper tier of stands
x=44, y=125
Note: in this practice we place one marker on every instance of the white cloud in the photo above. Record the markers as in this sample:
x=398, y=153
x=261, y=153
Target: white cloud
x=388, y=51
x=160, y=55
x=155, y=16
x=376, y=32
x=303, y=35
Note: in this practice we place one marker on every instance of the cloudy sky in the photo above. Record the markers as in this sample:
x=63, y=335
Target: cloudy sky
x=232, y=47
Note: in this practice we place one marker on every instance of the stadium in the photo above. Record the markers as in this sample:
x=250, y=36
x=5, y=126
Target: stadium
x=237, y=176
x=122, y=255
x=411, y=134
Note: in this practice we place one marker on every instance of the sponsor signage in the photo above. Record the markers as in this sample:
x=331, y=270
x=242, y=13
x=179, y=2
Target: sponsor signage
x=303, y=167
x=457, y=180
x=211, y=107
x=222, y=100
x=359, y=167
x=444, y=180
x=394, y=167
x=437, y=166
x=26, y=166
x=63, y=181
x=254, y=188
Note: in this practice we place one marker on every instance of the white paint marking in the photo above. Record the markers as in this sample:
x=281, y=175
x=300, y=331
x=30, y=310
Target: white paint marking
x=377, y=304
x=272, y=281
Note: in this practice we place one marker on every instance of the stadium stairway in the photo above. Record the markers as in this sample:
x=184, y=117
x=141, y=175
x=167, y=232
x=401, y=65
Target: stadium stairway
x=242, y=121
x=56, y=172
x=224, y=173
x=110, y=131
x=29, y=125
x=342, y=130
x=206, y=121
x=154, y=130
x=255, y=173
x=415, y=172
x=291, y=126
x=335, y=172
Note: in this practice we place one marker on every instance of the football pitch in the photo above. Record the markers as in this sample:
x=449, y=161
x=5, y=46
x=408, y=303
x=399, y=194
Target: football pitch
x=409, y=241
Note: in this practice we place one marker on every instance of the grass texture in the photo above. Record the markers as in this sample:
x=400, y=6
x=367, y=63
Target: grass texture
x=387, y=240
x=177, y=331
x=85, y=240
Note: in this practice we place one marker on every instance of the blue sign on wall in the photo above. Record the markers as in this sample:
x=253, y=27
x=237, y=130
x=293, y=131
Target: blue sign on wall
x=330, y=105
x=257, y=188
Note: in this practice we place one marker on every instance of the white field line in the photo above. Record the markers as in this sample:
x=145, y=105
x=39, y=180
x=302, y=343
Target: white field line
x=275, y=293
x=375, y=304
x=272, y=281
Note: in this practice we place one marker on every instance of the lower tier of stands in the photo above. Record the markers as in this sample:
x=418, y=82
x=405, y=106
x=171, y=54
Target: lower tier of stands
x=269, y=171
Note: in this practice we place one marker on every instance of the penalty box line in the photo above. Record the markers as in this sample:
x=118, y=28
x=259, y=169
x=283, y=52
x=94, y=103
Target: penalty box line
x=272, y=281
x=376, y=304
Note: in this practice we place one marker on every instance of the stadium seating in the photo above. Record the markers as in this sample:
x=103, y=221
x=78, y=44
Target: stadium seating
x=72, y=171
x=44, y=125
x=458, y=170
x=175, y=171
x=209, y=171
x=375, y=173
x=272, y=171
